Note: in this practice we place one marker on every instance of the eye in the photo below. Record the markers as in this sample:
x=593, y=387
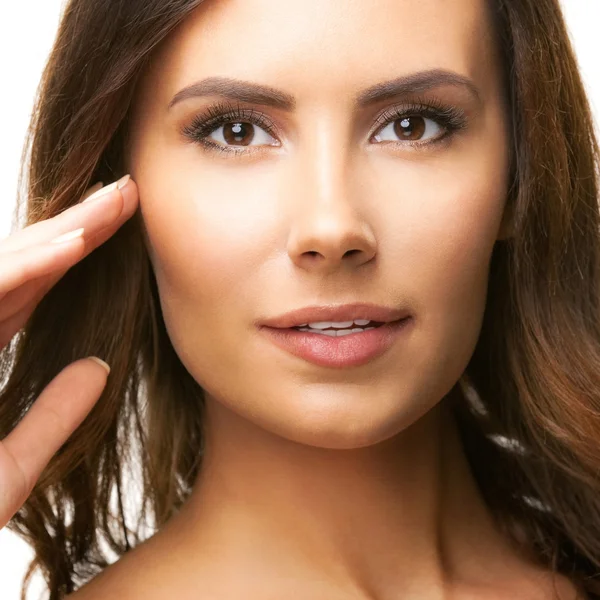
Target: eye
x=420, y=124
x=239, y=133
x=226, y=128
x=411, y=128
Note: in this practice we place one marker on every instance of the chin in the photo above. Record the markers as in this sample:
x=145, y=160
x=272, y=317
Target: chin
x=350, y=423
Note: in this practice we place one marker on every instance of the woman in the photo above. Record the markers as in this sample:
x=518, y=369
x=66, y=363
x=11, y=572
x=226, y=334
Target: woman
x=419, y=176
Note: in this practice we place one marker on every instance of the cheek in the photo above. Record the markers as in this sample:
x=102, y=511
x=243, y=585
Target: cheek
x=452, y=220
x=206, y=229
x=208, y=235
x=454, y=240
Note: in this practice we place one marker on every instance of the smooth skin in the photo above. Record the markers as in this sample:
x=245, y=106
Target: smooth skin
x=319, y=483
x=30, y=265
x=324, y=484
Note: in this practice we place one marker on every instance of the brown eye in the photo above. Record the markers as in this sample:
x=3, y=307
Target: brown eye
x=238, y=133
x=410, y=128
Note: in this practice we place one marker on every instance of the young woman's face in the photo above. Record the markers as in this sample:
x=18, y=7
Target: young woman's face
x=336, y=194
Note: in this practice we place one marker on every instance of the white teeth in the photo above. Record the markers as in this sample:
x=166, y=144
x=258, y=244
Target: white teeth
x=347, y=332
x=338, y=325
x=338, y=333
x=326, y=324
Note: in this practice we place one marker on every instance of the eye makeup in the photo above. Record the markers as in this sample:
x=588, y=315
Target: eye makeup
x=449, y=118
x=222, y=113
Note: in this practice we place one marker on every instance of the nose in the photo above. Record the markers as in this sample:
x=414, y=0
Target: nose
x=328, y=231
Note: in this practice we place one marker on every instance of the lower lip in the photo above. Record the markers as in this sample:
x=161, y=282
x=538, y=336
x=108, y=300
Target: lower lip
x=350, y=350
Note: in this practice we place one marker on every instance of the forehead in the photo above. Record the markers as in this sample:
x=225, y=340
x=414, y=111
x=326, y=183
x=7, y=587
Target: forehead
x=337, y=45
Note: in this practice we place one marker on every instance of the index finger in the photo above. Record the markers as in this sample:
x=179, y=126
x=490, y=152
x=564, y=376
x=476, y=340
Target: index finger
x=52, y=418
x=121, y=195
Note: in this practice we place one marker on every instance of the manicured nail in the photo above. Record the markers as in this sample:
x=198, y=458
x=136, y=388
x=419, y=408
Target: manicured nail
x=100, y=362
x=101, y=192
x=67, y=237
x=123, y=181
x=120, y=184
x=92, y=190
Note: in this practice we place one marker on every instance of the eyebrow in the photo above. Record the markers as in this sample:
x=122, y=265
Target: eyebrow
x=254, y=93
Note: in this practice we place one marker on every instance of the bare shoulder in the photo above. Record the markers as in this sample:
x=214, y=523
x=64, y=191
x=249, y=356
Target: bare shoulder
x=133, y=582
x=156, y=569
x=137, y=574
x=140, y=575
x=153, y=570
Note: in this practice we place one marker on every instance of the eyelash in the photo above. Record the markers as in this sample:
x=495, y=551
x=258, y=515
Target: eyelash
x=451, y=119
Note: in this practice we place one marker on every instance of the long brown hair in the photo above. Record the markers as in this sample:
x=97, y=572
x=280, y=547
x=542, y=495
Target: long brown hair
x=528, y=405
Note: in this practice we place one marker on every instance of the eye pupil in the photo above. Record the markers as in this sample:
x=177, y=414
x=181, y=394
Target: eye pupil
x=238, y=133
x=411, y=128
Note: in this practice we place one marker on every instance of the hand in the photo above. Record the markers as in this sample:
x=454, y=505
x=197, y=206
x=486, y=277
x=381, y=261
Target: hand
x=31, y=262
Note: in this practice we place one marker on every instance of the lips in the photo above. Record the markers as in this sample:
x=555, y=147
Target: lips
x=350, y=350
x=353, y=326
x=337, y=314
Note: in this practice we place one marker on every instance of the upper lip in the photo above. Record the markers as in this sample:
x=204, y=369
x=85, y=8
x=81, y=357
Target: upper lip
x=339, y=313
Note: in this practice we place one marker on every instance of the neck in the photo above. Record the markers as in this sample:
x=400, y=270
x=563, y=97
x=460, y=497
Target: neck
x=404, y=514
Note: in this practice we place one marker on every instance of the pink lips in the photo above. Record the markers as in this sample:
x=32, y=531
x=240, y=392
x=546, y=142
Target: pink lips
x=350, y=350
x=338, y=314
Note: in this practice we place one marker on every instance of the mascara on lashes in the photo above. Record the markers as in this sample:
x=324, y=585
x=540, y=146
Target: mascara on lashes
x=450, y=118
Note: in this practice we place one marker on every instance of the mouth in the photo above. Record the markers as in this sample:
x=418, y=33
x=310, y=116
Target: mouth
x=335, y=347
x=357, y=315
x=344, y=328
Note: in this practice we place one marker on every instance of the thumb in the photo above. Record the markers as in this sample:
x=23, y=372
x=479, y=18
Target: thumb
x=59, y=410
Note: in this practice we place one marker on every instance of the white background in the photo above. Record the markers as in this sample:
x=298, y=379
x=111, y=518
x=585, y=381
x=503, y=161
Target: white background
x=27, y=35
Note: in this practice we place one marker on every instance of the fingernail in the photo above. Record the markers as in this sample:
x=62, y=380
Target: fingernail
x=123, y=181
x=105, y=190
x=100, y=362
x=92, y=190
x=66, y=237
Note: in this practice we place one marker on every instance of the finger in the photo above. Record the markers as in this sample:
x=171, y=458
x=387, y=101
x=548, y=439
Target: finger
x=10, y=326
x=35, y=289
x=15, y=300
x=26, y=236
x=96, y=187
x=17, y=268
x=85, y=214
x=91, y=213
x=52, y=418
x=32, y=261
x=94, y=240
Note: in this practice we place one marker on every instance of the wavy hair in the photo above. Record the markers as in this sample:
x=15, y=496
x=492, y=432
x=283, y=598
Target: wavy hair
x=528, y=404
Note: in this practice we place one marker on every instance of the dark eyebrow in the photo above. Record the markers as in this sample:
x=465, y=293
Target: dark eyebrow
x=416, y=83
x=254, y=93
x=235, y=89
